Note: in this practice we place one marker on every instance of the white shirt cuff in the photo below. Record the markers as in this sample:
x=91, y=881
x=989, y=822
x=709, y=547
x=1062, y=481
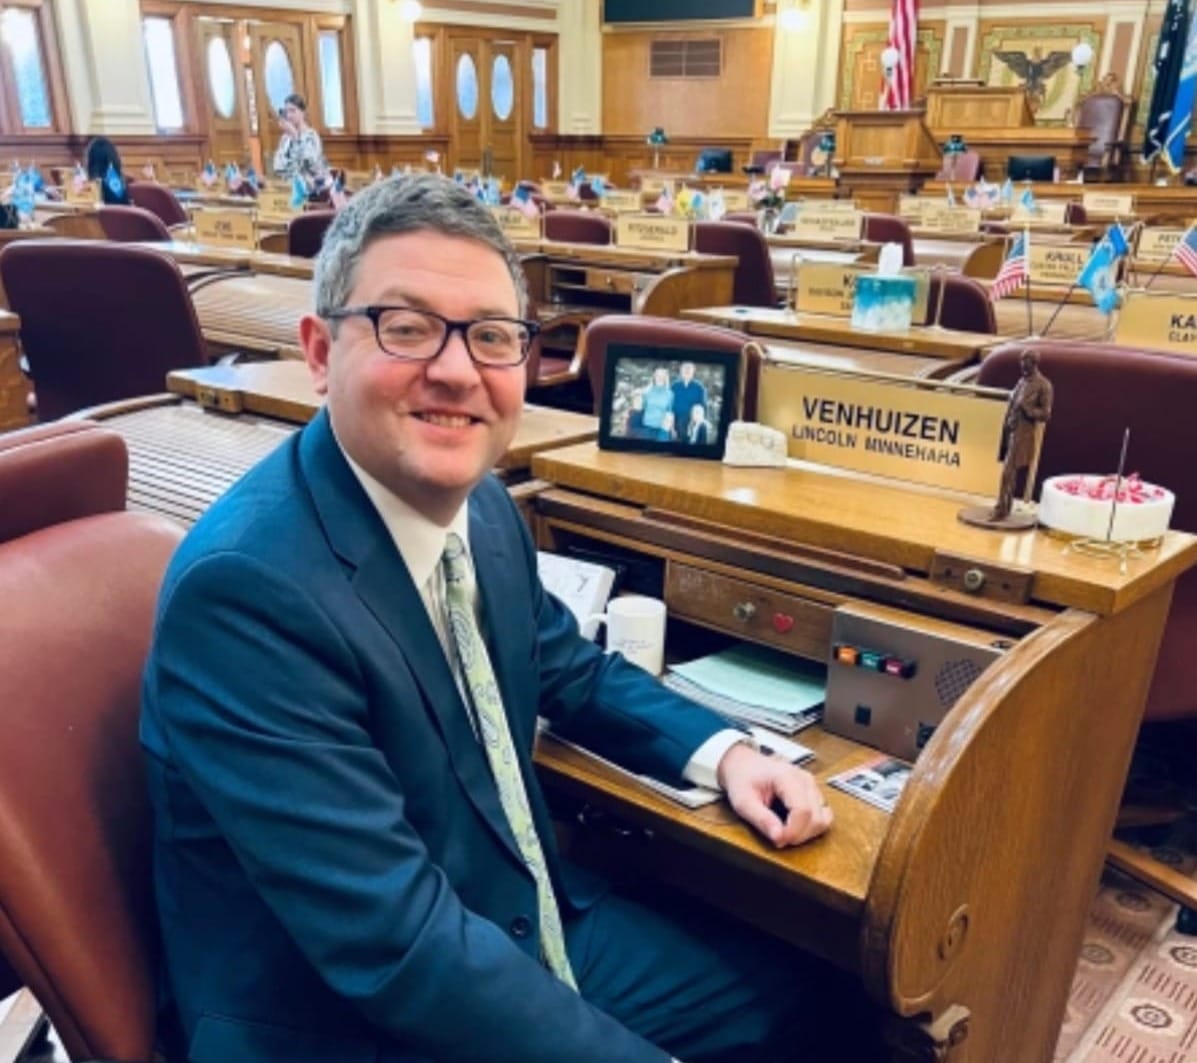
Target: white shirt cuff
x=703, y=767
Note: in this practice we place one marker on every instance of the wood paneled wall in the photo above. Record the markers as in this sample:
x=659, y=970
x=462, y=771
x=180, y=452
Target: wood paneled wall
x=734, y=104
x=616, y=156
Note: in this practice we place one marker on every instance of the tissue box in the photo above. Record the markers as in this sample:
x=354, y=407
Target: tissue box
x=883, y=304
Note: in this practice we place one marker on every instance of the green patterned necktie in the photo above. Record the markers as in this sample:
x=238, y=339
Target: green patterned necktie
x=500, y=752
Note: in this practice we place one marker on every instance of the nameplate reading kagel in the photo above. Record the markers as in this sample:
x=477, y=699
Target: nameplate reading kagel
x=1159, y=321
x=895, y=429
x=652, y=232
x=826, y=288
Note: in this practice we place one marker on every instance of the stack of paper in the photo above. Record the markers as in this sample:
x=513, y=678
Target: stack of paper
x=753, y=684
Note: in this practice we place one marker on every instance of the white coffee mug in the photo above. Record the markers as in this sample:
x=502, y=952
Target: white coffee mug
x=636, y=628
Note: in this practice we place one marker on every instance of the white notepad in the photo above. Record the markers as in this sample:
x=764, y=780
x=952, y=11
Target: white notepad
x=583, y=587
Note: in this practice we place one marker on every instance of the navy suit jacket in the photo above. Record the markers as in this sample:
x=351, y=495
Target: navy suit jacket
x=335, y=878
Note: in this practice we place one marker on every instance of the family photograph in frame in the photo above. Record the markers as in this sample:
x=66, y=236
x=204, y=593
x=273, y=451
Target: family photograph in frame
x=669, y=400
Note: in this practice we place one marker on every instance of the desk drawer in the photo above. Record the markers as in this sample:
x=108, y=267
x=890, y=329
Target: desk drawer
x=741, y=608
x=608, y=280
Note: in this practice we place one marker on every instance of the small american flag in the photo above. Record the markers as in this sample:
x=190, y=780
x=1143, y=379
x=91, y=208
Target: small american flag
x=903, y=32
x=1185, y=251
x=1013, y=274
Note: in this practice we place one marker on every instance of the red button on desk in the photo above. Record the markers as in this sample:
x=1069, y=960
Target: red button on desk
x=897, y=666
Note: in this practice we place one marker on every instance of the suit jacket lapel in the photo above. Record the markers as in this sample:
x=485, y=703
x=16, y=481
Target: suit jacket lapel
x=381, y=579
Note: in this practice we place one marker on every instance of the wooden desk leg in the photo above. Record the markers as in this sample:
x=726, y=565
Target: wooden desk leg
x=927, y=1040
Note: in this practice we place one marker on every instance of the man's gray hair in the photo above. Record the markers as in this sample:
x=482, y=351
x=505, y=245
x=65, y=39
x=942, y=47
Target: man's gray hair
x=404, y=204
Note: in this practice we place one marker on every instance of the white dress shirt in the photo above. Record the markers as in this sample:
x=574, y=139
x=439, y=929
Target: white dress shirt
x=421, y=542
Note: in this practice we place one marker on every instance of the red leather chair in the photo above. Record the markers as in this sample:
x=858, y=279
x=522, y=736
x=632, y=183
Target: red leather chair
x=99, y=321
x=305, y=232
x=577, y=227
x=1076, y=214
x=79, y=578
x=753, y=283
x=889, y=229
x=966, y=304
x=160, y=200
x=128, y=225
x=741, y=217
x=663, y=333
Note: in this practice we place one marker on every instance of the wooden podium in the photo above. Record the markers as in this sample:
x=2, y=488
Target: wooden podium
x=884, y=154
x=961, y=108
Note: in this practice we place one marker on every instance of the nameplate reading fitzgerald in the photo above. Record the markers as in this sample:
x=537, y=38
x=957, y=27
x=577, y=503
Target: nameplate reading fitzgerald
x=225, y=228
x=814, y=223
x=1162, y=321
x=886, y=428
x=652, y=232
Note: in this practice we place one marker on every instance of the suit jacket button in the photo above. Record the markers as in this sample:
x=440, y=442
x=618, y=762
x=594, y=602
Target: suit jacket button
x=521, y=926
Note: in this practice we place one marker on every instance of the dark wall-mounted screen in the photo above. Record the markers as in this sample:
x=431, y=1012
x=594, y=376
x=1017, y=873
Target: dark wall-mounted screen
x=671, y=10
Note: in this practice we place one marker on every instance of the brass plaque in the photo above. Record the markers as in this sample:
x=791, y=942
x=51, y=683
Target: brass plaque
x=555, y=190
x=1046, y=212
x=1162, y=321
x=1057, y=263
x=652, y=186
x=1157, y=245
x=912, y=210
x=815, y=223
x=276, y=203
x=225, y=228
x=623, y=200
x=736, y=199
x=940, y=218
x=1109, y=204
x=515, y=224
x=827, y=288
x=88, y=194
x=652, y=232
x=901, y=430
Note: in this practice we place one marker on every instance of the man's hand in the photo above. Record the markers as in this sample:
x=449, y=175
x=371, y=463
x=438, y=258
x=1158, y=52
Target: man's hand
x=753, y=782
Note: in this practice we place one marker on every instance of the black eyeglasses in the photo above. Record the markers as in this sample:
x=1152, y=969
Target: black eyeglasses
x=420, y=335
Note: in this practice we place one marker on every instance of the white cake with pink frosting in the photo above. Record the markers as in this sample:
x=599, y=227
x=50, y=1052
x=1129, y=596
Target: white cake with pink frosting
x=1081, y=506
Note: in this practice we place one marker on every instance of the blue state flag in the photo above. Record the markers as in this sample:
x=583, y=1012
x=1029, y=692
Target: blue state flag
x=1116, y=238
x=1181, y=122
x=1027, y=201
x=114, y=182
x=1007, y=191
x=299, y=192
x=1100, y=277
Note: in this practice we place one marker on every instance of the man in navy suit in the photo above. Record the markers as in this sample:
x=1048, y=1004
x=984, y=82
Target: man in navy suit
x=353, y=858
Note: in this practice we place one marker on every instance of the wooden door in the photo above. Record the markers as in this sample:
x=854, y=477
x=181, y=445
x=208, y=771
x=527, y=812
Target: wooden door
x=276, y=55
x=503, y=134
x=467, y=96
x=224, y=93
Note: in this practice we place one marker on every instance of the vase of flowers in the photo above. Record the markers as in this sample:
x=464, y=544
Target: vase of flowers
x=767, y=197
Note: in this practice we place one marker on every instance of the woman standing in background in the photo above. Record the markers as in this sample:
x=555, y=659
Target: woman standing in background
x=300, y=151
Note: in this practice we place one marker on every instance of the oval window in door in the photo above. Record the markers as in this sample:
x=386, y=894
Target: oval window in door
x=502, y=89
x=280, y=81
x=220, y=77
x=467, y=86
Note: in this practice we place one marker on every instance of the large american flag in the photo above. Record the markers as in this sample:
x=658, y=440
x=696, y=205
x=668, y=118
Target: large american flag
x=1185, y=252
x=1014, y=271
x=903, y=29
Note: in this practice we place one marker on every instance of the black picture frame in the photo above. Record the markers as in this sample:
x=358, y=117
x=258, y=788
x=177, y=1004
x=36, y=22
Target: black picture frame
x=635, y=371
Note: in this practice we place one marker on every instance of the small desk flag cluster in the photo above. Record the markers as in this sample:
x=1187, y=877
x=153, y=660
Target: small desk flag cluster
x=898, y=90
x=1015, y=268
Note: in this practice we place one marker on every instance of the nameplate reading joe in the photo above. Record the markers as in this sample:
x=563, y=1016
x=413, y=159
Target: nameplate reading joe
x=652, y=232
x=623, y=200
x=1057, y=263
x=1163, y=321
x=515, y=224
x=896, y=429
x=825, y=288
x=815, y=223
x=225, y=228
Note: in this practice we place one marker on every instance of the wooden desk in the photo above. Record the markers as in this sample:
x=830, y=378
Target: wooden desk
x=928, y=342
x=183, y=454
x=968, y=903
x=271, y=263
x=251, y=312
x=13, y=385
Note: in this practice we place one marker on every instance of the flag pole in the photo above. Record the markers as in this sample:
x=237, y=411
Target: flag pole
x=1026, y=250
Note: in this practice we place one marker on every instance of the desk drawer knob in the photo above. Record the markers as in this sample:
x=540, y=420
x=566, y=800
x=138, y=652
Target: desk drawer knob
x=744, y=611
x=974, y=580
x=782, y=622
